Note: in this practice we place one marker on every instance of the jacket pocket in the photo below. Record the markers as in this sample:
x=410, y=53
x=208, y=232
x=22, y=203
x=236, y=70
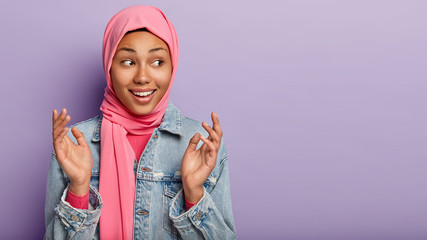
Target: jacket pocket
x=170, y=189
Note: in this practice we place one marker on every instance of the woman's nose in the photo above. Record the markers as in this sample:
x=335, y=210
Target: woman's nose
x=142, y=76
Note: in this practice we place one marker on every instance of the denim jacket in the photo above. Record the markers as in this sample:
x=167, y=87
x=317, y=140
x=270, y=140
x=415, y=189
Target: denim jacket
x=159, y=211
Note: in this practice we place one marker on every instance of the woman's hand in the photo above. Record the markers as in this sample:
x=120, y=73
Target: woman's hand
x=75, y=160
x=198, y=164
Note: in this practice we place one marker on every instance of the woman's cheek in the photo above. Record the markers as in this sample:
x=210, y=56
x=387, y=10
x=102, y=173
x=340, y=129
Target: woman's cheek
x=165, y=79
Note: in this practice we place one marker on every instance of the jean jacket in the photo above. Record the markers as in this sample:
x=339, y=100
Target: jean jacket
x=159, y=210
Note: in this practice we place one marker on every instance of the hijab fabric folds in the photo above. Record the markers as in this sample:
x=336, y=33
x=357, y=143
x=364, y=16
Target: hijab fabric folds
x=117, y=178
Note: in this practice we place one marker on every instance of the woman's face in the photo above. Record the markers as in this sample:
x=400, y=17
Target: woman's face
x=141, y=71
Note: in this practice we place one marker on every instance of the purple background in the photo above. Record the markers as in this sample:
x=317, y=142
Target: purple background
x=323, y=105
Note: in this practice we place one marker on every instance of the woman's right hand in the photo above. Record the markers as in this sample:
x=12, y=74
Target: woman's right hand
x=75, y=160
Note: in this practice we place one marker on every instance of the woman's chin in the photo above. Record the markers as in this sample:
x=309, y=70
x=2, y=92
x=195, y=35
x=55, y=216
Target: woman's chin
x=141, y=110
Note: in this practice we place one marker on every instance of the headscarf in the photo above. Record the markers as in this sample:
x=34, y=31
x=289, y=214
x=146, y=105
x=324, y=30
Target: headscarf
x=117, y=178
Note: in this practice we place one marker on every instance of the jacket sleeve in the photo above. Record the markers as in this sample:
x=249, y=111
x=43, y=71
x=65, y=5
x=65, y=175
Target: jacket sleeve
x=62, y=221
x=212, y=216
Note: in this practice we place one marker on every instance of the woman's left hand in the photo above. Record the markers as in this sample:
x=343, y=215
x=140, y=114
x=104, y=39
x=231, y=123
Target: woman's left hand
x=198, y=164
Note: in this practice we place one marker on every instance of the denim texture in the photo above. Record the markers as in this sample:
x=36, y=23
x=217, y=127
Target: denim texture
x=159, y=211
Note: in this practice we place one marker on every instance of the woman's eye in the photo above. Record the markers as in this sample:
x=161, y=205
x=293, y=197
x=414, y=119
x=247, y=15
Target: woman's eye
x=158, y=63
x=127, y=63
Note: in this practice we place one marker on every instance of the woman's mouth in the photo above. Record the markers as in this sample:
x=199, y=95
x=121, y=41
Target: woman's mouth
x=143, y=96
x=143, y=93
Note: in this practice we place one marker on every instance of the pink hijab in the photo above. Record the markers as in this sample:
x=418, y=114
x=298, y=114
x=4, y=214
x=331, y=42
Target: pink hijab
x=117, y=178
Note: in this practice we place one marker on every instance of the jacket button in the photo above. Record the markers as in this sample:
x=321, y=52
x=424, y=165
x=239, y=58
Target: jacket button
x=155, y=136
x=198, y=215
x=144, y=169
x=75, y=218
x=142, y=212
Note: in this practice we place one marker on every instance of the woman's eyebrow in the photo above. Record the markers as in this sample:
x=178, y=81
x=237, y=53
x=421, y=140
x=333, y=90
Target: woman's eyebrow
x=157, y=49
x=127, y=49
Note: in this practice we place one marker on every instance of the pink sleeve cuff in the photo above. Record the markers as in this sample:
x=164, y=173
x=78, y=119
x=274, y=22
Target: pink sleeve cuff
x=188, y=204
x=80, y=202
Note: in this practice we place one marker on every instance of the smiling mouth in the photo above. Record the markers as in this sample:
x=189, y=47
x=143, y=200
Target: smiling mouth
x=143, y=94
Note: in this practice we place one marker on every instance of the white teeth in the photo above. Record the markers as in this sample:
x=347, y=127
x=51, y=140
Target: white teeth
x=143, y=94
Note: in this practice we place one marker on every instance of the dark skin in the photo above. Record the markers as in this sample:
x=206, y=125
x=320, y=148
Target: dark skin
x=141, y=68
x=198, y=164
x=76, y=159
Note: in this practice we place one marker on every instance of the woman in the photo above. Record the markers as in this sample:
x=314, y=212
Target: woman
x=159, y=174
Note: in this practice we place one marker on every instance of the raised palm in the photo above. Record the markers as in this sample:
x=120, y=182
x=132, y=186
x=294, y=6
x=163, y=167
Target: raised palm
x=198, y=164
x=74, y=159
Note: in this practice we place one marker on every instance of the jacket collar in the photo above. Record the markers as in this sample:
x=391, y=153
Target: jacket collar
x=172, y=122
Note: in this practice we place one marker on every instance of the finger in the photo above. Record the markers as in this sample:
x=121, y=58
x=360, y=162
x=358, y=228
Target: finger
x=216, y=126
x=54, y=116
x=210, y=162
x=212, y=134
x=79, y=136
x=59, y=126
x=60, y=136
x=193, y=142
x=60, y=146
x=58, y=129
x=61, y=117
x=212, y=147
